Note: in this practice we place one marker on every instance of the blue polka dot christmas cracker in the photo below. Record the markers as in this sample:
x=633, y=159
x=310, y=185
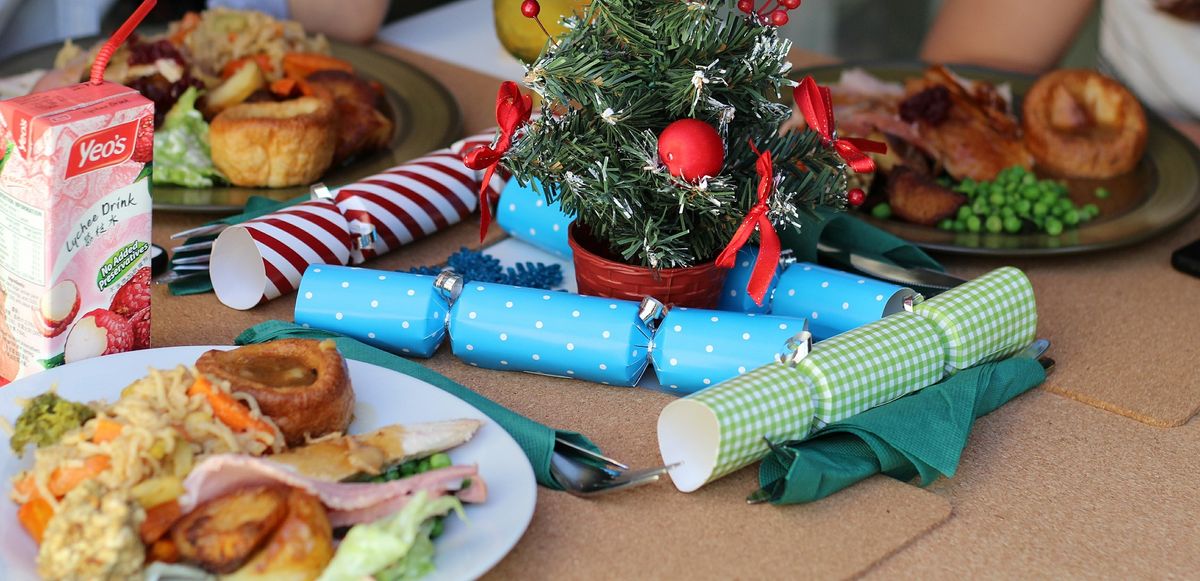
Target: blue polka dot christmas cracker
x=503, y=327
x=525, y=214
x=387, y=310
x=833, y=301
x=734, y=296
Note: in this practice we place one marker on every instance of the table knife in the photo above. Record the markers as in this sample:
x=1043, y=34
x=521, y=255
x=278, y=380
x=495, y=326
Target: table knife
x=916, y=276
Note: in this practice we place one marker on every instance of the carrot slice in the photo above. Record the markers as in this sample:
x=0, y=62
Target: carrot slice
x=159, y=519
x=283, y=87
x=263, y=61
x=187, y=24
x=106, y=430
x=34, y=516
x=26, y=487
x=299, y=65
x=163, y=550
x=228, y=409
x=64, y=480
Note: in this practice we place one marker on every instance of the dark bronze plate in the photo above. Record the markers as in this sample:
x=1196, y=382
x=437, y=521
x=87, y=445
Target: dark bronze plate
x=1160, y=193
x=425, y=114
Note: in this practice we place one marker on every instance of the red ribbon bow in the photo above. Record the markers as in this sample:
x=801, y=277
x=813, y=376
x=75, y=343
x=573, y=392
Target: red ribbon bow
x=512, y=111
x=817, y=107
x=768, y=240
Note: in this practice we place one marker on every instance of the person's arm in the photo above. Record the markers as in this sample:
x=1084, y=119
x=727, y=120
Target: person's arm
x=349, y=20
x=1019, y=35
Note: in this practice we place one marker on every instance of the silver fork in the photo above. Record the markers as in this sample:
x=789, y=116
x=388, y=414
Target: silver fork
x=584, y=473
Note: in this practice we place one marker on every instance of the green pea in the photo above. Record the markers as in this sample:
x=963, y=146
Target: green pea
x=1092, y=210
x=981, y=208
x=1007, y=211
x=960, y=225
x=1070, y=217
x=1102, y=193
x=439, y=460
x=882, y=211
x=1023, y=207
x=994, y=224
x=1012, y=224
x=423, y=466
x=1027, y=178
x=408, y=468
x=964, y=212
x=1039, y=210
x=996, y=199
x=946, y=224
x=974, y=224
x=1053, y=226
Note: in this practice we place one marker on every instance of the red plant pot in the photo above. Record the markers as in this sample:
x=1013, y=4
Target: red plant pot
x=599, y=272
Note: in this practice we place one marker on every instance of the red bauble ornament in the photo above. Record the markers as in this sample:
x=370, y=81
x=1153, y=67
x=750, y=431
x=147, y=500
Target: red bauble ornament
x=790, y=4
x=856, y=197
x=691, y=149
x=530, y=8
x=746, y=6
x=779, y=17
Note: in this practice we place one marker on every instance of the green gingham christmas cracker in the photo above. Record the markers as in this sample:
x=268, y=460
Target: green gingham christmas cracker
x=872, y=365
x=984, y=320
x=721, y=429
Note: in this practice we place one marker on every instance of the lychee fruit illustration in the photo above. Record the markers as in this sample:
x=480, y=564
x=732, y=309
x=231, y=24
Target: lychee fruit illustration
x=141, y=328
x=134, y=295
x=143, y=144
x=98, y=332
x=57, y=309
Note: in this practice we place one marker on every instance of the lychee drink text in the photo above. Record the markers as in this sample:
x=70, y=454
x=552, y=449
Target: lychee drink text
x=74, y=226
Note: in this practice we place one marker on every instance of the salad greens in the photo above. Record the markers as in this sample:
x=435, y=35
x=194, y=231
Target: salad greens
x=393, y=548
x=181, y=150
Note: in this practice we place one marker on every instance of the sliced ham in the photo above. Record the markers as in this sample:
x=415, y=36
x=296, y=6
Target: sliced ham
x=348, y=503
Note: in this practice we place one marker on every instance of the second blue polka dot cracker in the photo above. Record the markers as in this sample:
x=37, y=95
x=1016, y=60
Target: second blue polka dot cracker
x=834, y=301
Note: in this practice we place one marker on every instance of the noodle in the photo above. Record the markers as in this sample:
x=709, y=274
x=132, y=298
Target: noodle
x=157, y=417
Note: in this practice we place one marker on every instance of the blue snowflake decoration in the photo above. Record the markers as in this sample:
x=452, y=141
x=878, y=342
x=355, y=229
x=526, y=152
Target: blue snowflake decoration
x=475, y=266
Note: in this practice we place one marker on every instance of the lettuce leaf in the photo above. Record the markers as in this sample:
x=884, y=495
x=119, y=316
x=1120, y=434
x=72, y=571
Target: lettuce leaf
x=181, y=151
x=394, y=547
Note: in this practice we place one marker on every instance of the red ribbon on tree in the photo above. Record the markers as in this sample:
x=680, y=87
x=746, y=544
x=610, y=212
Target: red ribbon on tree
x=512, y=111
x=768, y=240
x=817, y=106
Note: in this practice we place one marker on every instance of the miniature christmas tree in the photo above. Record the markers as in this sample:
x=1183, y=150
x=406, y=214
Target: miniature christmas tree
x=650, y=114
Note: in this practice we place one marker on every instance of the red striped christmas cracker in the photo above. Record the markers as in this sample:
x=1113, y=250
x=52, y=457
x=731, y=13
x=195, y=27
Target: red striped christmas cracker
x=416, y=199
x=264, y=258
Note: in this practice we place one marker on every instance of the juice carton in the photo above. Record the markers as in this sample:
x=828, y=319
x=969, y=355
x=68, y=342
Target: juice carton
x=74, y=226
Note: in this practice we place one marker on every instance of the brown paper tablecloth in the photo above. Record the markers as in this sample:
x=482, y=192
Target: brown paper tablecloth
x=1049, y=487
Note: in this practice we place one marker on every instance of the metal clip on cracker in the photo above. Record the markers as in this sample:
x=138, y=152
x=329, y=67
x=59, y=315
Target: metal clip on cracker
x=798, y=347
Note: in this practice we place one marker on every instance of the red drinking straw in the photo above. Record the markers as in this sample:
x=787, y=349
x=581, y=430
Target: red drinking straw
x=117, y=39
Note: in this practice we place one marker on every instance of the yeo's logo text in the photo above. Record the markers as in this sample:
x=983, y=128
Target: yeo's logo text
x=101, y=149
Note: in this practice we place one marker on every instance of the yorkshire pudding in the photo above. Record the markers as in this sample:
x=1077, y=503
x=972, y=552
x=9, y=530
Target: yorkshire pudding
x=275, y=144
x=1080, y=123
x=302, y=384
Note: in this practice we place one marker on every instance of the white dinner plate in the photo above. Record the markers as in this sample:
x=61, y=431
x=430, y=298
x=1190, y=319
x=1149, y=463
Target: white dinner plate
x=466, y=550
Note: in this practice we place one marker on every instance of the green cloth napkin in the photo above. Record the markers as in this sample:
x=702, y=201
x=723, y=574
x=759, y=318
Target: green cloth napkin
x=922, y=434
x=536, y=440
x=257, y=206
x=847, y=233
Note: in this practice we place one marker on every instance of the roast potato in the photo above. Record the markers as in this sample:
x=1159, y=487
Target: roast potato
x=222, y=534
x=300, y=548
